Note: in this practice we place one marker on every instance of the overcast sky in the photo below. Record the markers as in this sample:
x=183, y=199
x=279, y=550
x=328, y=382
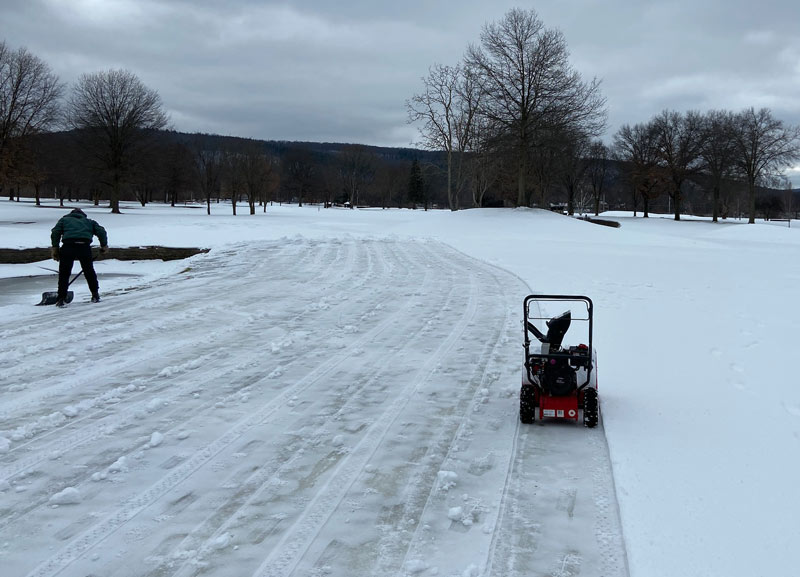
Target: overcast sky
x=341, y=70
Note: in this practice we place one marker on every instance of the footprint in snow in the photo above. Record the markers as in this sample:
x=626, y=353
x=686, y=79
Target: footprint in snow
x=793, y=410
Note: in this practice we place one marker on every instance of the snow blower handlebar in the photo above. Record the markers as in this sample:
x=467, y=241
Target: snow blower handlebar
x=556, y=329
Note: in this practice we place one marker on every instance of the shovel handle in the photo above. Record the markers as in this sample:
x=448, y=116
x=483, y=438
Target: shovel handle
x=75, y=278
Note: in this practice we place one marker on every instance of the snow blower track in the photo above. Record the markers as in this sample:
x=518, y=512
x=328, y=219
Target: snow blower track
x=340, y=407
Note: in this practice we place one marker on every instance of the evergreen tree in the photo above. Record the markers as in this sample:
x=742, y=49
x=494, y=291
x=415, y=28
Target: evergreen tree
x=416, y=185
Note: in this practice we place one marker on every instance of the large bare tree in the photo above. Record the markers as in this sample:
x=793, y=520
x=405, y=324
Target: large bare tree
x=259, y=173
x=680, y=140
x=115, y=114
x=764, y=147
x=598, y=172
x=300, y=168
x=29, y=103
x=530, y=88
x=356, y=171
x=208, y=168
x=448, y=108
x=637, y=147
x=573, y=164
x=718, y=151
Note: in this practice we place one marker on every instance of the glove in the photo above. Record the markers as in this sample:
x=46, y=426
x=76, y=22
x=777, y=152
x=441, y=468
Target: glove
x=54, y=252
x=103, y=249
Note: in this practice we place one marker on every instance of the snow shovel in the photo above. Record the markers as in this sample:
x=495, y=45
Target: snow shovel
x=51, y=297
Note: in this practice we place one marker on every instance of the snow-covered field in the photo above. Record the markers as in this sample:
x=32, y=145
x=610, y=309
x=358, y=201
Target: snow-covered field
x=334, y=392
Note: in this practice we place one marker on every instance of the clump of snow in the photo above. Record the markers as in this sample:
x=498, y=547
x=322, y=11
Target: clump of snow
x=156, y=439
x=415, y=566
x=69, y=496
x=154, y=404
x=222, y=541
x=455, y=513
x=70, y=411
x=447, y=480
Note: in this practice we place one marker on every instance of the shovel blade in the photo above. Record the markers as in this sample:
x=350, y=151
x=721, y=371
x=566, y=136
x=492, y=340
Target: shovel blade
x=50, y=298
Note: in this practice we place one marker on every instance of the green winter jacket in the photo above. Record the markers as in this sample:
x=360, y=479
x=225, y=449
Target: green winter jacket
x=75, y=226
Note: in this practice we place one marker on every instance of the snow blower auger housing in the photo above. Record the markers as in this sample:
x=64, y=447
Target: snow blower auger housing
x=559, y=381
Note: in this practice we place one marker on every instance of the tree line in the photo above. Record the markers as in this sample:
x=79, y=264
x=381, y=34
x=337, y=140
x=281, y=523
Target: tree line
x=513, y=124
x=514, y=112
x=109, y=139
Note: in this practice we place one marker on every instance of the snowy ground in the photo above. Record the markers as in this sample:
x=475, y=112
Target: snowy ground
x=333, y=392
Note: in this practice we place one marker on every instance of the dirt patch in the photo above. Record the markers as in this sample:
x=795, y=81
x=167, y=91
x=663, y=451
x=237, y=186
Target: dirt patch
x=26, y=255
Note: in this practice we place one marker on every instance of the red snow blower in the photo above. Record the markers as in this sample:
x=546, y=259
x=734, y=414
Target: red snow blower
x=559, y=381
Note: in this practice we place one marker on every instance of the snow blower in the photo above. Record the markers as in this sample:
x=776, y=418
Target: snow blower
x=559, y=381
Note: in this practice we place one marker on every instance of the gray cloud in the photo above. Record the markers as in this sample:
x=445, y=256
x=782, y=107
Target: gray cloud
x=342, y=71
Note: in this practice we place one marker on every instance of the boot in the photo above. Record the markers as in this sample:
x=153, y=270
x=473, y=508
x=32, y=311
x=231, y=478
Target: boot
x=95, y=297
x=60, y=303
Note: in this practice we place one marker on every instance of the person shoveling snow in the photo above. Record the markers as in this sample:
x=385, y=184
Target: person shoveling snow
x=75, y=232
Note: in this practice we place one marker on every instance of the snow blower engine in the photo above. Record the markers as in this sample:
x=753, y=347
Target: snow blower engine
x=559, y=381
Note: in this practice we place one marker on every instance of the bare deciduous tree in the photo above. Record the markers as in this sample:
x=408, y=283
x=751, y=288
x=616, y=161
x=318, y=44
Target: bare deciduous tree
x=178, y=171
x=356, y=169
x=233, y=175
x=208, y=164
x=29, y=103
x=301, y=171
x=573, y=165
x=764, y=146
x=115, y=113
x=447, y=109
x=598, y=171
x=258, y=173
x=680, y=139
x=529, y=86
x=717, y=151
x=637, y=147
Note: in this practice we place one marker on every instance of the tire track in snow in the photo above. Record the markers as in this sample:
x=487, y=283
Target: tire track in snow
x=559, y=513
x=260, y=485
x=135, y=505
x=120, y=357
x=110, y=367
x=297, y=539
x=226, y=507
x=422, y=493
x=39, y=319
x=117, y=421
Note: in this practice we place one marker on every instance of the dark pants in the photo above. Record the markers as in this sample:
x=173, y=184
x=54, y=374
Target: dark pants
x=70, y=252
